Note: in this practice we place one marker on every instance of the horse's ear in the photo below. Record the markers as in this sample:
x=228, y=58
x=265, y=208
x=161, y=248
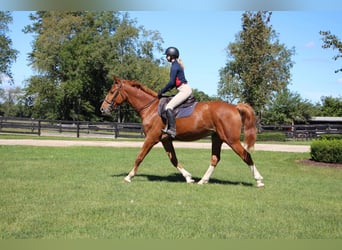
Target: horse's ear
x=116, y=79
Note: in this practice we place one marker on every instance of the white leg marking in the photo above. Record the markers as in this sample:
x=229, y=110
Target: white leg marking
x=186, y=175
x=127, y=179
x=206, y=176
x=257, y=176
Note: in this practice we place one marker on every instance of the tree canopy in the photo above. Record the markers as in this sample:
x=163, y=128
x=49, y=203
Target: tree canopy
x=331, y=106
x=76, y=55
x=333, y=42
x=258, y=64
x=8, y=55
x=288, y=108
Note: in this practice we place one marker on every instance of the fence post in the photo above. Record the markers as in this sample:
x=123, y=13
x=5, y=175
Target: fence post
x=60, y=126
x=78, y=129
x=116, y=130
x=39, y=126
x=32, y=125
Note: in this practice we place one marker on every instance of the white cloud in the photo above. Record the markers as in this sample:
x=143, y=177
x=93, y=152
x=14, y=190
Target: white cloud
x=310, y=44
x=339, y=80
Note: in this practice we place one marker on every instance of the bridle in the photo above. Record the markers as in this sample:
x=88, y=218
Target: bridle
x=118, y=92
x=147, y=105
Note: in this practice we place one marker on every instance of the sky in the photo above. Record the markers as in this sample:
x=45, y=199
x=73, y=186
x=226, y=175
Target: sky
x=203, y=36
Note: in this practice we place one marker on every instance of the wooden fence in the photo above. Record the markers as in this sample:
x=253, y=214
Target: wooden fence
x=70, y=128
x=134, y=130
x=304, y=132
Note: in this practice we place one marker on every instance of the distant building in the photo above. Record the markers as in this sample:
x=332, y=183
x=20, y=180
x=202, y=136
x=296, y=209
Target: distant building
x=325, y=120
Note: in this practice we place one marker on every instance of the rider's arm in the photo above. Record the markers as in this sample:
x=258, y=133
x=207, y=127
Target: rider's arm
x=172, y=83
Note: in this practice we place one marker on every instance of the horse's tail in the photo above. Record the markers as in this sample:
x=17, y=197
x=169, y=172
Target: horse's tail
x=249, y=123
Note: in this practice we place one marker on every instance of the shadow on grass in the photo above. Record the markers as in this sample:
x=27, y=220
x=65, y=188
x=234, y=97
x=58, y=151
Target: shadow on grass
x=179, y=178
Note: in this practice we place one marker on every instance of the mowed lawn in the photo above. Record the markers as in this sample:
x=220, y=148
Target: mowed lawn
x=79, y=193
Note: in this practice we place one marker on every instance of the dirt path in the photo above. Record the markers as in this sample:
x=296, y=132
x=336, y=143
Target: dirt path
x=67, y=143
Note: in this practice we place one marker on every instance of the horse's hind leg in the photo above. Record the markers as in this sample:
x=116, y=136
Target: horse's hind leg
x=216, y=144
x=246, y=157
x=170, y=150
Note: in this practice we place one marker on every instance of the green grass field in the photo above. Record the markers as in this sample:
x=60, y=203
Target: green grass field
x=79, y=193
x=99, y=138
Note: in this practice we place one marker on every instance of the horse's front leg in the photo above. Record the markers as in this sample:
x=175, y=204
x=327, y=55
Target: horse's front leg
x=148, y=144
x=168, y=146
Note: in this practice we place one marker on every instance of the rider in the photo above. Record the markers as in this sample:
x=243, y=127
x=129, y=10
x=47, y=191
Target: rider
x=177, y=79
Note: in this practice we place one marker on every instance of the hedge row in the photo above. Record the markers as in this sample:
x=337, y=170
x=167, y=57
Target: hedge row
x=331, y=137
x=271, y=136
x=327, y=150
x=268, y=136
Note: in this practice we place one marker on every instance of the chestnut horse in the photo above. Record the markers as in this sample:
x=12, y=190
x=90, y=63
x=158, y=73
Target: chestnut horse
x=221, y=120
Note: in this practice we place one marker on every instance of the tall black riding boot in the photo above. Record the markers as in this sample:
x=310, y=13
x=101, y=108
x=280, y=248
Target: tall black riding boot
x=171, y=121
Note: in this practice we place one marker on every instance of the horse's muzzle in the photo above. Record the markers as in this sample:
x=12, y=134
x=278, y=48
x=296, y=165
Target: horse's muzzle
x=105, y=111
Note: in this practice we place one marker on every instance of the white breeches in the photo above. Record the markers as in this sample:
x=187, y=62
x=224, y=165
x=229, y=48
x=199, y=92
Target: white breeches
x=184, y=91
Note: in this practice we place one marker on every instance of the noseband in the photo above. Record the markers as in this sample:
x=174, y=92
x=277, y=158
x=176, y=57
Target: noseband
x=114, y=96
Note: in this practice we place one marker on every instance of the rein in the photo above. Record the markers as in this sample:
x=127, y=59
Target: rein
x=119, y=93
x=147, y=105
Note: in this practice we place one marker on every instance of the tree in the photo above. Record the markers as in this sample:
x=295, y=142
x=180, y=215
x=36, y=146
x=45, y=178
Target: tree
x=288, y=108
x=332, y=41
x=11, y=102
x=201, y=96
x=258, y=64
x=7, y=54
x=331, y=106
x=229, y=89
x=76, y=55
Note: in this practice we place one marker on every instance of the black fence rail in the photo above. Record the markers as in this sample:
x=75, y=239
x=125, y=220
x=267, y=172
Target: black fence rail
x=134, y=130
x=19, y=125
x=305, y=132
x=70, y=128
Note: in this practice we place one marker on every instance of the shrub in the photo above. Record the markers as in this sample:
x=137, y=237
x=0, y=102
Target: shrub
x=331, y=137
x=325, y=150
x=271, y=136
x=268, y=136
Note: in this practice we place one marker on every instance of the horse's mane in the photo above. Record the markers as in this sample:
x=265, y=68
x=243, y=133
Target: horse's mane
x=147, y=90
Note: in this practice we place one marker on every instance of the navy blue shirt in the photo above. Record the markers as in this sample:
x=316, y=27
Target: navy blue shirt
x=177, y=77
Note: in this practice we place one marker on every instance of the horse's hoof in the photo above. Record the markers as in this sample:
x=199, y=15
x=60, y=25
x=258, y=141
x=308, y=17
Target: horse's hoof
x=201, y=182
x=190, y=180
x=260, y=185
x=127, y=179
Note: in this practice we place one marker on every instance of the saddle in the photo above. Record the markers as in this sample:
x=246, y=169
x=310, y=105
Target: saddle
x=183, y=110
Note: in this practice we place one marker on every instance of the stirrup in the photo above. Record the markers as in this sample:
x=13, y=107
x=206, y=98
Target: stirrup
x=171, y=133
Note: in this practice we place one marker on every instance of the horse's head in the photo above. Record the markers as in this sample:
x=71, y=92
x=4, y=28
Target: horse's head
x=113, y=98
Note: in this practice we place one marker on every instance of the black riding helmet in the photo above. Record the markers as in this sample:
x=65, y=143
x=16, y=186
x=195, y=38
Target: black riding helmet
x=172, y=51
